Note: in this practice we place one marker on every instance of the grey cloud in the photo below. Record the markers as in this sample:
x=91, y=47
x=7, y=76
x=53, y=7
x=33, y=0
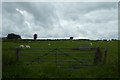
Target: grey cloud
x=42, y=12
x=60, y=20
x=84, y=7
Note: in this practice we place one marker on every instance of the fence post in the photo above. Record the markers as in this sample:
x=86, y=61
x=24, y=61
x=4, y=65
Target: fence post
x=105, y=55
x=56, y=57
x=98, y=56
x=17, y=54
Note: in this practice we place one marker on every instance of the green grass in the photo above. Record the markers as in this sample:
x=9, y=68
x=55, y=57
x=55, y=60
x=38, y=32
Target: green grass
x=45, y=66
x=0, y=58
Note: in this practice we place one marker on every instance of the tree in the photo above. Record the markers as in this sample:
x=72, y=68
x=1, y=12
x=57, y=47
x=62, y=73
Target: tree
x=35, y=36
x=13, y=36
x=71, y=38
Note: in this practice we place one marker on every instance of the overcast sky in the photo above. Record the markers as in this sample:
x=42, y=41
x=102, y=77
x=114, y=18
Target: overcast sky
x=91, y=20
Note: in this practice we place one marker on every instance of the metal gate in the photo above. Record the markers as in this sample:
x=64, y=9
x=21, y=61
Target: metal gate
x=65, y=58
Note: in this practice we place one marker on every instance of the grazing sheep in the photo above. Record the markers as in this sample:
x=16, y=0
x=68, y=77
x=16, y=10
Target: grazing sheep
x=49, y=44
x=21, y=46
x=90, y=43
x=29, y=41
x=27, y=46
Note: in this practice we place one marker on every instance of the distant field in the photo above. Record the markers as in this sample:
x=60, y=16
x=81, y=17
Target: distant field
x=47, y=68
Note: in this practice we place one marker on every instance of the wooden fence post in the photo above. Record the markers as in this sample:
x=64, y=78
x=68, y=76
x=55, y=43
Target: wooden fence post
x=17, y=54
x=55, y=56
x=98, y=56
x=105, y=55
x=95, y=58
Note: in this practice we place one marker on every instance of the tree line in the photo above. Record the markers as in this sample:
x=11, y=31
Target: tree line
x=15, y=36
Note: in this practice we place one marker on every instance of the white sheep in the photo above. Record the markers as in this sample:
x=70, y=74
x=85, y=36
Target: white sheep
x=29, y=41
x=91, y=43
x=49, y=44
x=21, y=46
x=27, y=46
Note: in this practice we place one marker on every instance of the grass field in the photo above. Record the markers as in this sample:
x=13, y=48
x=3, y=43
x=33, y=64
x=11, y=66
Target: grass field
x=47, y=68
